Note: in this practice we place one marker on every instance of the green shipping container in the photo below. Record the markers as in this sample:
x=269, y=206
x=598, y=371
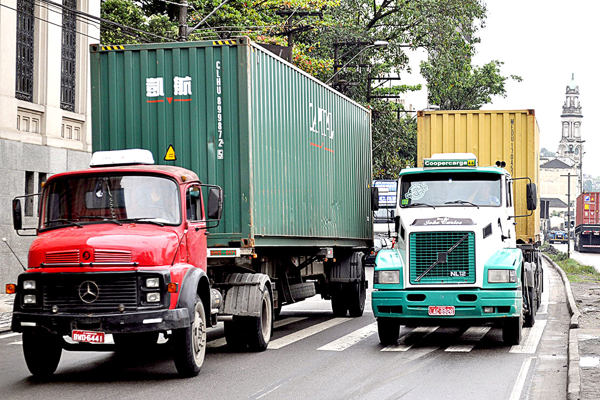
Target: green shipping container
x=292, y=155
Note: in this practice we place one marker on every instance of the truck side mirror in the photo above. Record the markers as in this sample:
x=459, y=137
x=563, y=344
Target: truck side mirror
x=374, y=199
x=17, y=214
x=531, y=196
x=215, y=203
x=397, y=223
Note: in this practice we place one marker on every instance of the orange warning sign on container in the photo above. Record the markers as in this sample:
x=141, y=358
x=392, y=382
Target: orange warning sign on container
x=170, y=156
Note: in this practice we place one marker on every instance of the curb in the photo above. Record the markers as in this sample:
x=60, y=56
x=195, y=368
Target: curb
x=573, y=370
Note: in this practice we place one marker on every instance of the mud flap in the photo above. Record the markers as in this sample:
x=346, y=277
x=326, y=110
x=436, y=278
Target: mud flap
x=244, y=294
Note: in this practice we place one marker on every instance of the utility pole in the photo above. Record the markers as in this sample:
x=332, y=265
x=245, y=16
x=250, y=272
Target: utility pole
x=568, y=214
x=183, y=27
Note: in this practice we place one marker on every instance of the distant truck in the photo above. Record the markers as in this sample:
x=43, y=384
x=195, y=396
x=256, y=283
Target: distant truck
x=383, y=220
x=557, y=237
x=587, y=222
x=263, y=199
x=459, y=259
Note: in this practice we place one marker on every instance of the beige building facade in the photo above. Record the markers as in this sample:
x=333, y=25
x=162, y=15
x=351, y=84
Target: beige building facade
x=45, y=106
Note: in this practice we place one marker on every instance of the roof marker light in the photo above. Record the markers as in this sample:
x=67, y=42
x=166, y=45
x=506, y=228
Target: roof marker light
x=121, y=157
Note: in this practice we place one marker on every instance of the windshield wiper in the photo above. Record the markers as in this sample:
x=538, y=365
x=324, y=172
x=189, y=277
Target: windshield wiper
x=419, y=204
x=68, y=222
x=104, y=219
x=150, y=220
x=461, y=202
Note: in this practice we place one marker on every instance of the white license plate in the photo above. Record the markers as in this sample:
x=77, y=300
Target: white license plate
x=441, y=310
x=87, y=336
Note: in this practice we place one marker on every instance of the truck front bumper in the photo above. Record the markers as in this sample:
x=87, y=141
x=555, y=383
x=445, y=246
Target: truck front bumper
x=412, y=306
x=126, y=322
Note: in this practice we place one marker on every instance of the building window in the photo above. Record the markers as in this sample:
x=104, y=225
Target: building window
x=42, y=177
x=25, y=24
x=69, y=53
x=29, y=190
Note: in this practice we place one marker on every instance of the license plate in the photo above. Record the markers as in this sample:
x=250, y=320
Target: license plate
x=87, y=336
x=441, y=310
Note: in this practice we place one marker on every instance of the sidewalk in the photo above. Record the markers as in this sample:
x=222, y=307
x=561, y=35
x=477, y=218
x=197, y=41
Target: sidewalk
x=6, y=306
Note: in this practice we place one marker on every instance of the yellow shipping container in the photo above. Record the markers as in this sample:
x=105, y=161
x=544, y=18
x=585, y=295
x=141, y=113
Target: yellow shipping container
x=510, y=136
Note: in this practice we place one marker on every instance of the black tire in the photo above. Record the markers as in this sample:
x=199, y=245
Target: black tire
x=135, y=341
x=42, y=351
x=259, y=329
x=512, y=330
x=533, y=301
x=388, y=330
x=338, y=304
x=233, y=333
x=357, y=294
x=189, y=344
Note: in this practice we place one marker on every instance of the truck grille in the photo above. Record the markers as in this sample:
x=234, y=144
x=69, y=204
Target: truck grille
x=63, y=291
x=112, y=256
x=426, y=248
x=58, y=257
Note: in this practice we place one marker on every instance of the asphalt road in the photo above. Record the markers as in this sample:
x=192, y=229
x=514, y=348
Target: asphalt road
x=315, y=356
x=586, y=258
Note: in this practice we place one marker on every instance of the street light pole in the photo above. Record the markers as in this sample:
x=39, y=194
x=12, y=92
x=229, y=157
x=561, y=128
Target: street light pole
x=568, y=214
x=377, y=43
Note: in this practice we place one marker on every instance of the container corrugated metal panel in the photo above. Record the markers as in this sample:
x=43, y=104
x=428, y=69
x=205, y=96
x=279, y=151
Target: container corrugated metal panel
x=511, y=136
x=246, y=126
x=588, y=206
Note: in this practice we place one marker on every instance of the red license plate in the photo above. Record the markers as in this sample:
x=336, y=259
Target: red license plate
x=87, y=336
x=441, y=310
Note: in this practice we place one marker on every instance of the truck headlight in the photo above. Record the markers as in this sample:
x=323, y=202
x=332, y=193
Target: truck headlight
x=152, y=282
x=29, y=299
x=29, y=285
x=386, y=276
x=153, y=297
x=502, y=276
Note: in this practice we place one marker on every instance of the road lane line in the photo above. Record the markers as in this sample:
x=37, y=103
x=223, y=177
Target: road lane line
x=350, y=339
x=520, y=382
x=530, y=344
x=220, y=342
x=473, y=334
x=287, y=321
x=7, y=335
x=422, y=332
x=304, y=333
x=270, y=391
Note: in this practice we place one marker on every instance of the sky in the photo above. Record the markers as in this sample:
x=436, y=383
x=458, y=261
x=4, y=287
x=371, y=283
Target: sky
x=544, y=42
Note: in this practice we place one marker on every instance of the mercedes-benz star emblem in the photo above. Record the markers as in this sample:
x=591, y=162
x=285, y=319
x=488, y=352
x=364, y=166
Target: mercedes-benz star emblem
x=88, y=292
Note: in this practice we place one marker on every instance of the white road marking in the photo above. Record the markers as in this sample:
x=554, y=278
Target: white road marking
x=220, y=342
x=19, y=342
x=287, y=321
x=350, y=339
x=304, y=333
x=270, y=391
x=401, y=346
x=7, y=335
x=473, y=334
x=530, y=344
x=520, y=382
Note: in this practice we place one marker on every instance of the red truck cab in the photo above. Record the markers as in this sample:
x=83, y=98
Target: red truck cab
x=121, y=250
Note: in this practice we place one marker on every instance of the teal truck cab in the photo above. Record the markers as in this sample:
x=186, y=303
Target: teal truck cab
x=457, y=260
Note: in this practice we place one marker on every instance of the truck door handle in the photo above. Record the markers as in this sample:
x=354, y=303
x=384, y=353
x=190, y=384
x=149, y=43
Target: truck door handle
x=197, y=228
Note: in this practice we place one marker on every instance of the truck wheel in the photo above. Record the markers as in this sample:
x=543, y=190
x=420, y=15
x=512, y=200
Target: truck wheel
x=259, y=329
x=338, y=304
x=190, y=343
x=357, y=296
x=42, y=352
x=233, y=333
x=388, y=330
x=530, y=316
x=511, y=330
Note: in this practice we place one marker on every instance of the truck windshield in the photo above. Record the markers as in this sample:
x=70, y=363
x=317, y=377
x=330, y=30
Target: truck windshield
x=466, y=189
x=87, y=199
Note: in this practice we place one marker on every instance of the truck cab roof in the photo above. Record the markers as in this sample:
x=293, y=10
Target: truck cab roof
x=181, y=175
x=492, y=170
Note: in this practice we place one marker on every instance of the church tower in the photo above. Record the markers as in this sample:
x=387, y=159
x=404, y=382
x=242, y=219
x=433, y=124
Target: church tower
x=570, y=147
